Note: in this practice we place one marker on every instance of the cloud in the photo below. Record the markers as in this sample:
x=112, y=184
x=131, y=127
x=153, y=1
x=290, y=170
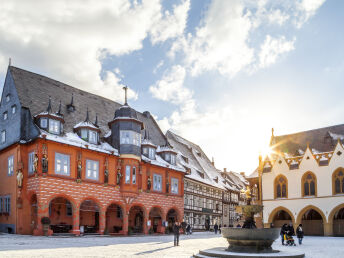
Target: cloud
x=170, y=25
x=272, y=48
x=170, y=87
x=307, y=8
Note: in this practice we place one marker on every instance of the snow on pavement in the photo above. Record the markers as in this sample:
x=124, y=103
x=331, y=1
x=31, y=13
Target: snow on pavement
x=145, y=246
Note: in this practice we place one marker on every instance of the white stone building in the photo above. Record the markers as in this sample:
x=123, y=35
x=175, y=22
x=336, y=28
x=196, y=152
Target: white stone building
x=303, y=181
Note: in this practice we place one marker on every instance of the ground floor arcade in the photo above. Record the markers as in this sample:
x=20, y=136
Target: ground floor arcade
x=317, y=220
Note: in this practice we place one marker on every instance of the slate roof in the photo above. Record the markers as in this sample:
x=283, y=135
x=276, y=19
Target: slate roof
x=321, y=139
x=34, y=91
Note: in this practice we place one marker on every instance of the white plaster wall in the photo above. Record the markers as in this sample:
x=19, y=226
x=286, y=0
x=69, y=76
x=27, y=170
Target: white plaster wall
x=295, y=202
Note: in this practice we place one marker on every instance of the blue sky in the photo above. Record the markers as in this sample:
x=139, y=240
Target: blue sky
x=219, y=73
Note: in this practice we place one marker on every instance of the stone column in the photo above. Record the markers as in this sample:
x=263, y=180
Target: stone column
x=42, y=211
x=76, y=221
x=125, y=222
x=328, y=229
x=102, y=219
x=145, y=227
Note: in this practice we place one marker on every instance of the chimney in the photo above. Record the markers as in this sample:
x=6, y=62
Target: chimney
x=225, y=170
x=242, y=173
x=212, y=161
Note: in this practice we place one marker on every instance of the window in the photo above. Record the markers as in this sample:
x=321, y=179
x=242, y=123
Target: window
x=134, y=175
x=309, y=184
x=157, y=182
x=127, y=174
x=92, y=169
x=168, y=157
x=3, y=136
x=130, y=137
x=0, y=204
x=145, y=151
x=281, y=187
x=93, y=137
x=54, y=126
x=8, y=97
x=69, y=209
x=174, y=186
x=62, y=164
x=338, y=182
x=7, y=204
x=151, y=153
x=10, y=165
x=31, y=168
x=173, y=159
x=5, y=115
x=44, y=122
x=14, y=109
x=84, y=134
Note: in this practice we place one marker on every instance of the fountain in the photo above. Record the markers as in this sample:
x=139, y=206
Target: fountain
x=249, y=241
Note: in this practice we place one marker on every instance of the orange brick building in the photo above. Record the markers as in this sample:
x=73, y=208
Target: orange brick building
x=114, y=175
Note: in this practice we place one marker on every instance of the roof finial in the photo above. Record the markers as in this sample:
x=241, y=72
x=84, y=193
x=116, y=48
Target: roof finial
x=9, y=61
x=125, y=88
x=71, y=102
x=60, y=107
x=49, y=105
x=96, y=122
x=272, y=131
x=87, y=116
x=146, y=135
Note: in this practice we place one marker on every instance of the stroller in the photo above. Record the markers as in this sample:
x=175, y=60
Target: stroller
x=289, y=240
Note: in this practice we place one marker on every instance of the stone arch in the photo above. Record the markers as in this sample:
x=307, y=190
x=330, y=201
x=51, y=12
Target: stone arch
x=333, y=212
x=338, y=224
x=277, y=209
x=114, y=217
x=141, y=206
x=303, y=181
x=136, y=220
x=312, y=226
x=156, y=216
x=90, y=216
x=278, y=183
x=92, y=199
x=69, y=198
x=179, y=215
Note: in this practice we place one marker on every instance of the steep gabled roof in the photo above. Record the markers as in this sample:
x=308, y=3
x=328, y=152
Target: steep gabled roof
x=321, y=139
x=34, y=91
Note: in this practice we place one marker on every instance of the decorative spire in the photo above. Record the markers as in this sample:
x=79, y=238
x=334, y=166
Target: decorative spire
x=272, y=132
x=96, y=122
x=60, y=108
x=146, y=136
x=72, y=100
x=9, y=61
x=87, y=116
x=49, y=110
x=125, y=88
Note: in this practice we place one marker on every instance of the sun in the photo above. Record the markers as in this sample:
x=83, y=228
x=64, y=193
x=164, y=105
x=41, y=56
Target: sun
x=266, y=151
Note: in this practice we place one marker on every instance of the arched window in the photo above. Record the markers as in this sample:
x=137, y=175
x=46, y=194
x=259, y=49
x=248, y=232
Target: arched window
x=338, y=181
x=281, y=187
x=309, y=183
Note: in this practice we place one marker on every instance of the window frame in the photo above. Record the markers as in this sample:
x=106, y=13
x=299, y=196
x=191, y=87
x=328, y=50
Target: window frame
x=92, y=169
x=5, y=115
x=62, y=164
x=30, y=168
x=95, y=134
x=340, y=178
x=8, y=97
x=173, y=180
x=133, y=177
x=127, y=178
x=14, y=107
x=42, y=121
x=157, y=176
x=280, y=184
x=54, y=124
x=3, y=136
x=132, y=137
x=307, y=181
x=10, y=167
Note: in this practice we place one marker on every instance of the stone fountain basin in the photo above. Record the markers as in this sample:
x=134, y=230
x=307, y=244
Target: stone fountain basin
x=257, y=240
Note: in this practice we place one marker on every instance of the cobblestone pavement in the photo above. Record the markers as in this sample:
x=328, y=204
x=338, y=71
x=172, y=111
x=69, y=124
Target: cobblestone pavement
x=144, y=246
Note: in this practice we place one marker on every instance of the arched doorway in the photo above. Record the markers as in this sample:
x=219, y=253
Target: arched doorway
x=136, y=219
x=281, y=217
x=338, y=223
x=312, y=223
x=171, y=218
x=89, y=216
x=34, y=209
x=61, y=215
x=114, y=219
x=155, y=216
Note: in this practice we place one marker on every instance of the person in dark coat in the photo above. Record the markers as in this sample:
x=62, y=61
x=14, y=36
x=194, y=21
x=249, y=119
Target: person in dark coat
x=216, y=227
x=283, y=231
x=290, y=230
x=220, y=229
x=188, y=229
x=176, y=228
x=299, y=233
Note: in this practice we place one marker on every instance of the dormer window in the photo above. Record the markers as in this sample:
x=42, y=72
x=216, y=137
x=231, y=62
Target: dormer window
x=130, y=137
x=44, y=123
x=5, y=115
x=14, y=109
x=173, y=159
x=54, y=126
x=8, y=97
x=88, y=131
x=93, y=137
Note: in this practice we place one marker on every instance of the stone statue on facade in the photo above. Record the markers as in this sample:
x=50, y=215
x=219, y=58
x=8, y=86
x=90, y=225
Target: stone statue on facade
x=106, y=176
x=45, y=163
x=79, y=169
x=20, y=178
x=35, y=163
x=119, y=176
x=167, y=186
x=149, y=183
x=247, y=194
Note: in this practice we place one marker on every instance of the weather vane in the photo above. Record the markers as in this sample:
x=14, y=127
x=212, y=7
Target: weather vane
x=125, y=88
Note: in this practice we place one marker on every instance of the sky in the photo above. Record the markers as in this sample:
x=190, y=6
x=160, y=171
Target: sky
x=218, y=73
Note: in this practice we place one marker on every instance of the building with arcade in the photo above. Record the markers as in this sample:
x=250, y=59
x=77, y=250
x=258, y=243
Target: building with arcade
x=303, y=181
x=83, y=161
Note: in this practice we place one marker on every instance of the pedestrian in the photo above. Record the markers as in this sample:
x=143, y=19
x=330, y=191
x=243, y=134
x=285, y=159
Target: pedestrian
x=188, y=229
x=220, y=229
x=291, y=231
x=216, y=227
x=176, y=228
x=283, y=232
x=238, y=226
x=299, y=233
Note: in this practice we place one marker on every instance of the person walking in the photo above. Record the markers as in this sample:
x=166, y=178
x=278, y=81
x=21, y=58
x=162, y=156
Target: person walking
x=188, y=229
x=176, y=229
x=299, y=233
x=283, y=232
x=220, y=229
x=216, y=227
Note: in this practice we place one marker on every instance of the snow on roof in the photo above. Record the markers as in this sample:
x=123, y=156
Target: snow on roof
x=74, y=140
x=254, y=174
x=336, y=136
x=148, y=142
x=85, y=124
x=162, y=163
x=108, y=134
x=165, y=148
x=44, y=113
